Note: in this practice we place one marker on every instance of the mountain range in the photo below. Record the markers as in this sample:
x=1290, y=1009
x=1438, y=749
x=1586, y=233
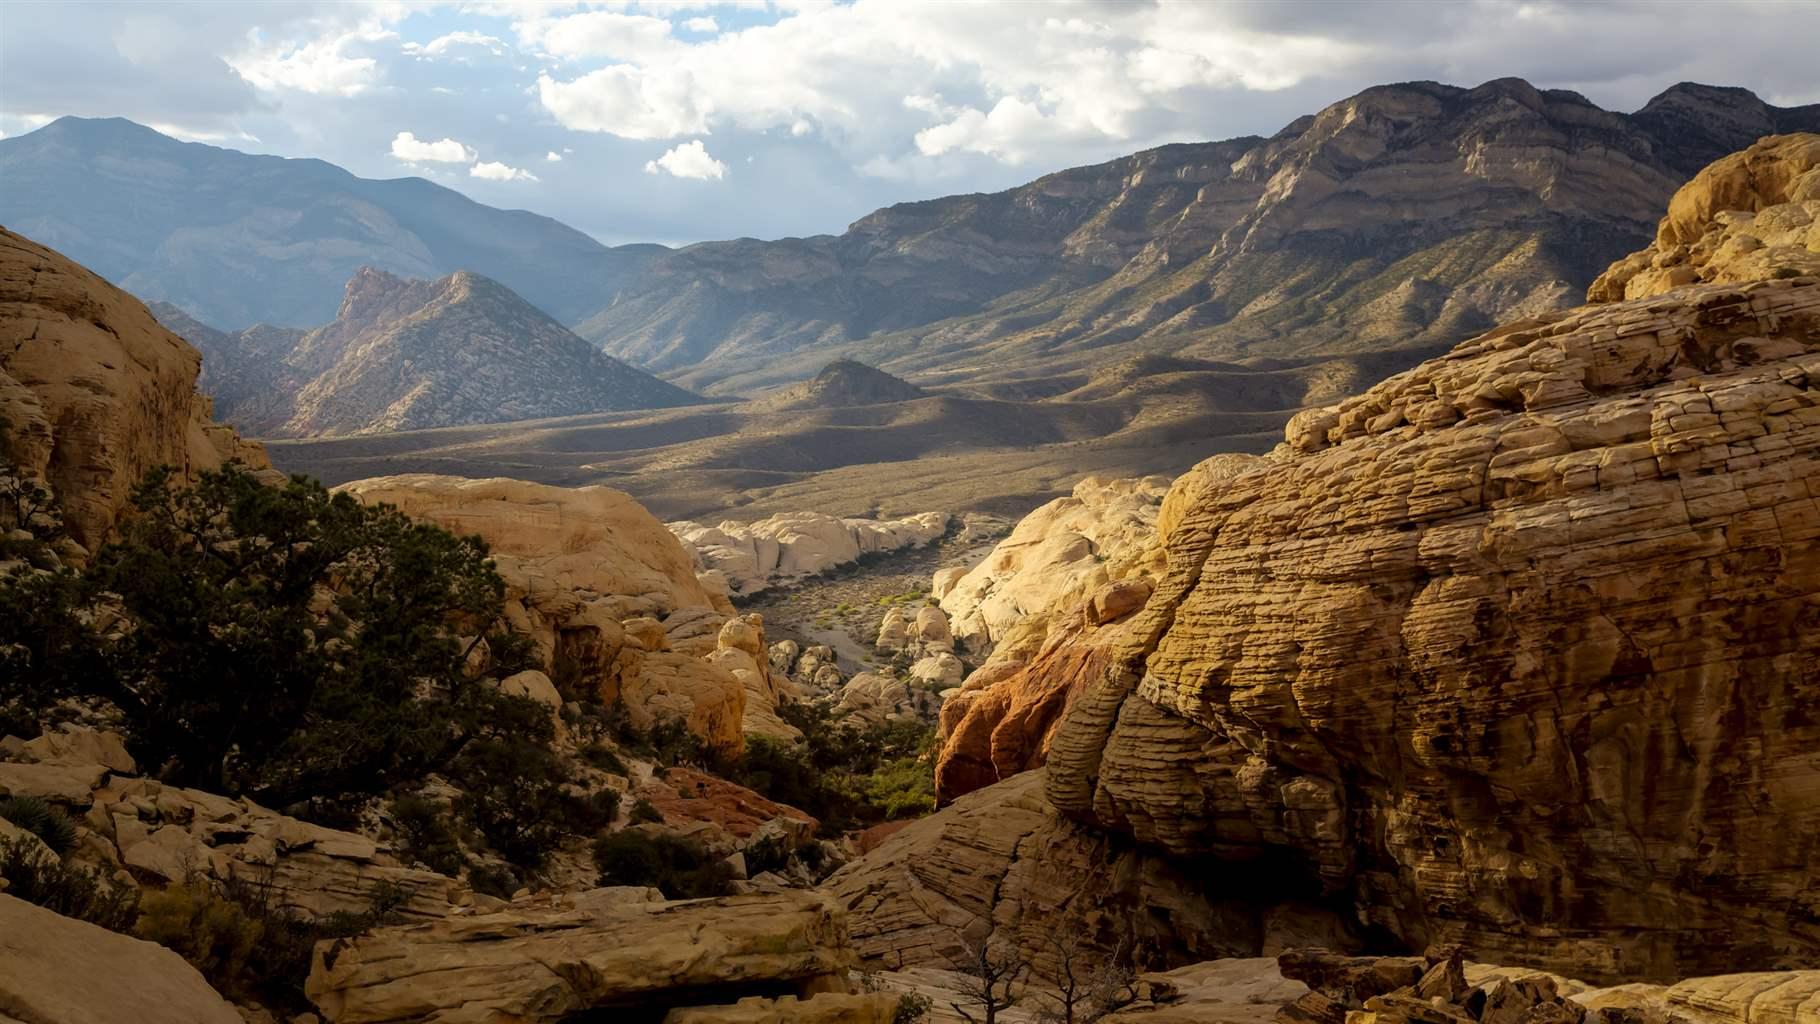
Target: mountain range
x=1406, y=216
x=406, y=354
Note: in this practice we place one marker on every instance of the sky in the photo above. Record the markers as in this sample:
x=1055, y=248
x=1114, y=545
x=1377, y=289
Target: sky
x=683, y=122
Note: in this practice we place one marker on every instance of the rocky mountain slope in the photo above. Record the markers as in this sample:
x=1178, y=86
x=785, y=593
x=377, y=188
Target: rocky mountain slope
x=1508, y=651
x=1414, y=213
x=405, y=354
x=94, y=392
x=241, y=239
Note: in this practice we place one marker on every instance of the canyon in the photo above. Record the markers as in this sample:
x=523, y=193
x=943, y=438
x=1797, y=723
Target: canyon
x=1479, y=690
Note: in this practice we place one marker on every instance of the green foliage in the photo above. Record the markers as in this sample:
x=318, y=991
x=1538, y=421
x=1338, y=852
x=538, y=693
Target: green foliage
x=681, y=868
x=846, y=777
x=644, y=813
x=66, y=889
x=603, y=758
x=771, y=853
x=42, y=820
x=498, y=881
x=296, y=647
x=244, y=943
x=425, y=836
x=912, y=1008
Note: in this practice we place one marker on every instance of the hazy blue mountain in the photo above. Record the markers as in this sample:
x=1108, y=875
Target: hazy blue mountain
x=237, y=239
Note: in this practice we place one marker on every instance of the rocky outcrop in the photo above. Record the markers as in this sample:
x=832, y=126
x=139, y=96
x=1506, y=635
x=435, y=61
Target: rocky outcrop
x=93, y=392
x=404, y=355
x=158, y=834
x=1752, y=216
x=57, y=970
x=1240, y=990
x=1054, y=558
x=594, y=951
x=1511, y=651
x=1002, y=856
x=745, y=558
x=1446, y=989
x=600, y=585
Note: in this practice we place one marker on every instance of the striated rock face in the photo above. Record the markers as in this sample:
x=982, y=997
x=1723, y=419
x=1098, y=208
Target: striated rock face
x=595, y=579
x=1513, y=650
x=94, y=392
x=1754, y=215
x=1003, y=856
x=57, y=970
x=1050, y=598
x=404, y=354
x=547, y=960
x=745, y=558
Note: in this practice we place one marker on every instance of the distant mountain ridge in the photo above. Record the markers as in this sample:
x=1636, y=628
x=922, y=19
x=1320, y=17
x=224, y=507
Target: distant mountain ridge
x=241, y=239
x=406, y=354
x=1410, y=214
x=1407, y=216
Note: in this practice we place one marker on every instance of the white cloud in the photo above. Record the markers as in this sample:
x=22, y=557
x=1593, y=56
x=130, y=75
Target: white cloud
x=495, y=171
x=607, y=34
x=689, y=160
x=411, y=149
x=553, y=157
x=443, y=45
x=703, y=24
x=872, y=75
x=324, y=63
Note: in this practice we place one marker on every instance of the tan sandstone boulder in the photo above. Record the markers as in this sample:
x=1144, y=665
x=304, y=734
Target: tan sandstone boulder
x=95, y=392
x=57, y=970
x=789, y=546
x=1510, y=651
x=544, y=960
x=1754, y=215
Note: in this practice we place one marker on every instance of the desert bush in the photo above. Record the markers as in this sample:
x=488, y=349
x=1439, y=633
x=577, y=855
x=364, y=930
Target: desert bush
x=244, y=943
x=681, y=868
x=496, y=880
x=425, y=836
x=771, y=853
x=846, y=777
x=66, y=889
x=293, y=646
x=912, y=1008
x=48, y=823
x=644, y=812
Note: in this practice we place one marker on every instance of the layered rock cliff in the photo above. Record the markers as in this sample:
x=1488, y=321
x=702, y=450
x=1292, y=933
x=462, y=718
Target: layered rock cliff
x=1515, y=649
x=404, y=354
x=93, y=392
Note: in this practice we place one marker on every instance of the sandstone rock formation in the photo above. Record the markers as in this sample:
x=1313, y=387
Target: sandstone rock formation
x=57, y=970
x=93, y=392
x=1509, y=651
x=599, y=583
x=160, y=834
x=404, y=354
x=1055, y=557
x=1446, y=989
x=1239, y=990
x=745, y=558
x=1755, y=215
x=547, y=960
x=1002, y=856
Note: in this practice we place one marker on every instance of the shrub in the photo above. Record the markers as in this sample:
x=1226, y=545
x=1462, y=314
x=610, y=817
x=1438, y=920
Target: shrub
x=66, y=889
x=496, y=880
x=425, y=836
x=844, y=776
x=912, y=1008
x=644, y=812
x=771, y=853
x=48, y=823
x=682, y=868
x=244, y=943
x=603, y=758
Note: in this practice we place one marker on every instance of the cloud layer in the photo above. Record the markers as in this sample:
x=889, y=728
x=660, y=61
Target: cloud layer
x=791, y=118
